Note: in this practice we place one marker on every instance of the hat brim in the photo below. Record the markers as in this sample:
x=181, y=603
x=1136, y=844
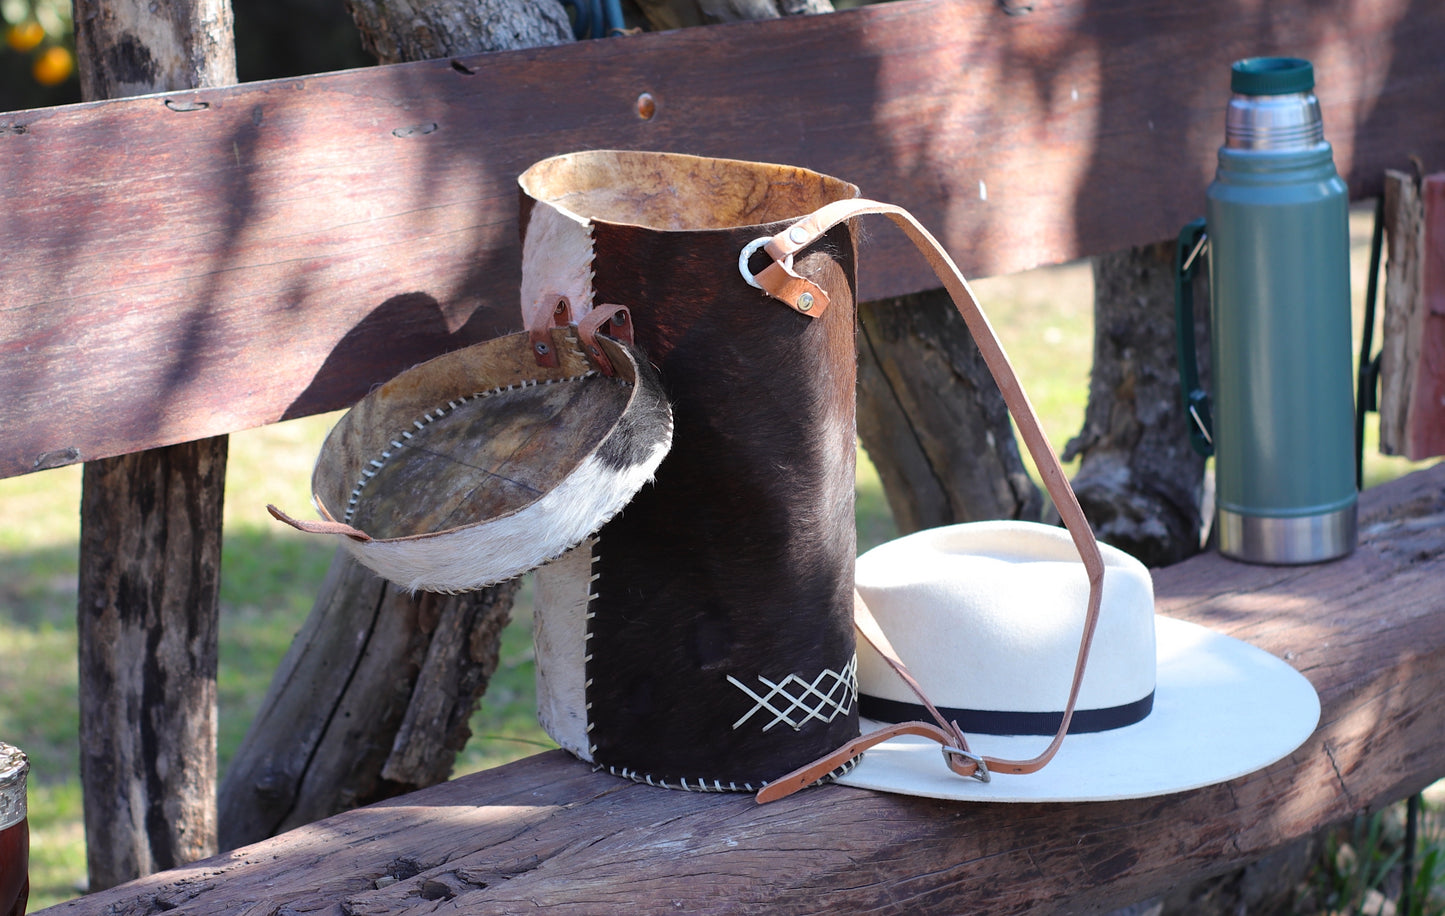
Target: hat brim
x=1222, y=708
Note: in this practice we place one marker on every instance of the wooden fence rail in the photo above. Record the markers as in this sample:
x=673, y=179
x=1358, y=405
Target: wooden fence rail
x=189, y=264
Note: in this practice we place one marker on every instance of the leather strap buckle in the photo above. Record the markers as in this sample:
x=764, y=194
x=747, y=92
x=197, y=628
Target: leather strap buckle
x=980, y=765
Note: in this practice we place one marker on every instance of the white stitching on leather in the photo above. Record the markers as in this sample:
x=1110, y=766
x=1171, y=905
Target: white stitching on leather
x=717, y=785
x=804, y=697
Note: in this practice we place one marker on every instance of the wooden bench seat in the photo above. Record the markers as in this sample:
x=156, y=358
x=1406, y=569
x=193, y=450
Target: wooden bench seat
x=548, y=833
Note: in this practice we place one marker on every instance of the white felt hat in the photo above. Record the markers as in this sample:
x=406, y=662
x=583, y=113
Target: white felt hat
x=988, y=617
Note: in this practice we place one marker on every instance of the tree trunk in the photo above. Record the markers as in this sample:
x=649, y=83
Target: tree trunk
x=1140, y=483
x=936, y=428
x=932, y=419
x=735, y=10
x=374, y=696
x=372, y=700
x=134, y=47
x=402, y=30
x=676, y=14
x=150, y=541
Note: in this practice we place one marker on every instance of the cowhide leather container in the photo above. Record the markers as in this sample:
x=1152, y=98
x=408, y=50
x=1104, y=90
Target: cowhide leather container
x=703, y=638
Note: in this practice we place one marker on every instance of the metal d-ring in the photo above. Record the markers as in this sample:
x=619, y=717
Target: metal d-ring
x=751, y=249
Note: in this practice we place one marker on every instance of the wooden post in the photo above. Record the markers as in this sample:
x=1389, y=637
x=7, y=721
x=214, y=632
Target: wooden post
x=1412, y=370
x=150, y=538
x=371, y=700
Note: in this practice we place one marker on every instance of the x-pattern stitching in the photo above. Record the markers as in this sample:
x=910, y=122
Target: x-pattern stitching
x=808, y=699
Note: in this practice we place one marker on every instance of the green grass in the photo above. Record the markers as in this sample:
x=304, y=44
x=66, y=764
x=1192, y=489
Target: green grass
x=271, y=574
x=1360, y=865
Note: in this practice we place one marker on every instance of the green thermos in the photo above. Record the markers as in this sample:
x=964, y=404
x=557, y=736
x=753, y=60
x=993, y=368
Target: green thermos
x=1277, y=227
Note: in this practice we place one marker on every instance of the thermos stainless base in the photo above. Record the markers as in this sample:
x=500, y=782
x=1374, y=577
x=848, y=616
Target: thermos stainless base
x=1287, y=541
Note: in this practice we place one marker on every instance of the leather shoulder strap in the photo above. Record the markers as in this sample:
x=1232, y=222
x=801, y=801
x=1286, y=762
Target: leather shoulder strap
x=779, y=281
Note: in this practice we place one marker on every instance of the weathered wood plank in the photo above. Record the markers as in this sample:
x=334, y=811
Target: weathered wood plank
x=184, y=265
x=545, y=832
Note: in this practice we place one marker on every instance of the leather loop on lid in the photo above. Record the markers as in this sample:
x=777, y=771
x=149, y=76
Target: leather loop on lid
x=611, y=319
x=551, y=310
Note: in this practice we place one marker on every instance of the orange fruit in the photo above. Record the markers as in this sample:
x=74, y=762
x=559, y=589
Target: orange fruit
x=25, y=35
x=53, y=66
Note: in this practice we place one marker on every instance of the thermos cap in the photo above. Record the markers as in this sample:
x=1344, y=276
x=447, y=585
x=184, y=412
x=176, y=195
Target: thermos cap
x=1271, y=76
x=13, y=770
x=1273, y=107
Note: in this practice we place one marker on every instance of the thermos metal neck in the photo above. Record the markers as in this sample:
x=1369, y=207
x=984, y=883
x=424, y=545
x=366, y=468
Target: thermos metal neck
x=1290, y=121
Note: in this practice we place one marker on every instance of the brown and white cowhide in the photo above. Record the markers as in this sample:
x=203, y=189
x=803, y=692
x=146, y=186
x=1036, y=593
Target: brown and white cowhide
x=703, y=638
x=480, y=465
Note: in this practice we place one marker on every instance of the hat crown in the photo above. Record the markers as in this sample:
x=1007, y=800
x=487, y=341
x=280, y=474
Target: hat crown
x=989, y=615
